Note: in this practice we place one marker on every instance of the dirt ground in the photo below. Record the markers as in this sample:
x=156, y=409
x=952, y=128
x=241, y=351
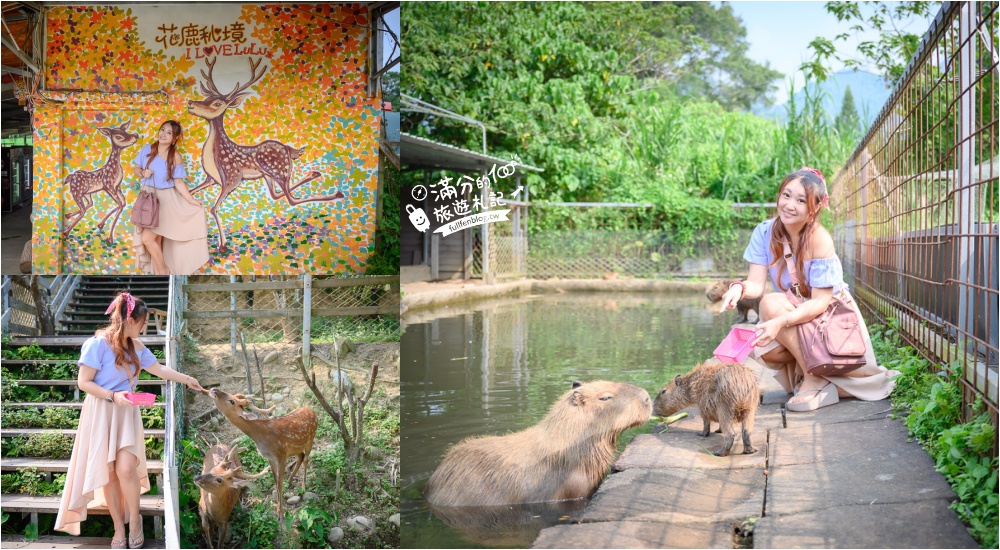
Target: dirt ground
x=215, y=367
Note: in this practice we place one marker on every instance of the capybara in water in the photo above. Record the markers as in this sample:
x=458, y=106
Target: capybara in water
x=562, y=457
x=743, y=307
x=725, y=393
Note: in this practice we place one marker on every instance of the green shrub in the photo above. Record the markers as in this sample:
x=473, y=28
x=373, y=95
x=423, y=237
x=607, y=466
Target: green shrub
x=930, y=398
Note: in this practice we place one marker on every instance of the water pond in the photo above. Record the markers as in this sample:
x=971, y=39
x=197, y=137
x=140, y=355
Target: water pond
x=497, y=367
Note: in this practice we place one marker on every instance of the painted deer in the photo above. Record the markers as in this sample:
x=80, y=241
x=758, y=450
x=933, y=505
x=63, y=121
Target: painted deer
x=107, y=178
x=228, y=164
x=277, y=439
x=220, y=482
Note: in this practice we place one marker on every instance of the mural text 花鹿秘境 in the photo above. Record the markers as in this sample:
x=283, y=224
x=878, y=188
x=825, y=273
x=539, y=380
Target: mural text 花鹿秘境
x=209, y=40
x=296, y=191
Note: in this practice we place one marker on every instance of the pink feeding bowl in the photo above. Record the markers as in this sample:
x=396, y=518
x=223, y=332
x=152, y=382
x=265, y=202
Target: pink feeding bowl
x=737, y=346
x=141, y=398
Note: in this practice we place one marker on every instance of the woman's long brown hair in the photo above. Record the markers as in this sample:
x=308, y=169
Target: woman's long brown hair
x=154, y=149
x=815, y=189
x=121, y=344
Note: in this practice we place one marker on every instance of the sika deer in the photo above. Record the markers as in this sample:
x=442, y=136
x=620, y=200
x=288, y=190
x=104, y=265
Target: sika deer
x=221, y=481
x=108, y=178
x=228, y=164
x=277, y=439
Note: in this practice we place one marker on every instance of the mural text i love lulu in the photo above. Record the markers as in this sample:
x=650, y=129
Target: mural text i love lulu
x=279, y=134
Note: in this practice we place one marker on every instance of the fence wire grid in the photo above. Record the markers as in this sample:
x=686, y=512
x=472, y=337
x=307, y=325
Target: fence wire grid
x=232, y=318
x=917, y=203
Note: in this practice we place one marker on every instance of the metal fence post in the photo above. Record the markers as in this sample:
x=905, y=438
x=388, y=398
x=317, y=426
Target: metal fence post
x=487, y=276
x=306, y=318
x=966, y=195
x=232, y=320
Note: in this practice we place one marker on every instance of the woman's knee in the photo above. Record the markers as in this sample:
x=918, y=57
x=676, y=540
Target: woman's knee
x=148, y=237
x=126, y=466
x=774, y=305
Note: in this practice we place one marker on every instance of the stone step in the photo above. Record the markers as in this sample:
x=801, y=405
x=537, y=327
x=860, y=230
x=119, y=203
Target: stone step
x=73, y=341
x=57, y=542
x=58, y=404
x=15, y=432
x=149, y=505
x=157, y=382
x=53, y=465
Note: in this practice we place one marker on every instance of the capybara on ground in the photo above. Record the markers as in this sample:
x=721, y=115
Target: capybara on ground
x=743, y=307
x=564, y=456
x=725, y=393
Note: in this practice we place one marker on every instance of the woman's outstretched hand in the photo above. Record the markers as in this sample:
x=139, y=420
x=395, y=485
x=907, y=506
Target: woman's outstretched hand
x=730, y=298
x=192, y=383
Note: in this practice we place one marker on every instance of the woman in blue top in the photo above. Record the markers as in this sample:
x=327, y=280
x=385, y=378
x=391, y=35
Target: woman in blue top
x=800, y=198
x=108, y=464
x=179, y=245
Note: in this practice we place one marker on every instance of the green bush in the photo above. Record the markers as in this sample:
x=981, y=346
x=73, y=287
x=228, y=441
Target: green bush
x=930, y=399
x=56, y=446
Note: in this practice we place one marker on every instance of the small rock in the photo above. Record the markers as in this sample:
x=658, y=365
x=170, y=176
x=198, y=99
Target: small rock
x=336, y=535
x=309, y=496
x=271, y=357
x=277, y=398
x=394, y=519
x=294, y=500
x=274, y=493
x=359, y=523
x=286, y=391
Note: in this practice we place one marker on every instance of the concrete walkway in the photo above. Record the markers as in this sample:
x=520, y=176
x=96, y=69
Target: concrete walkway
x=16, y=227
x=844, y=476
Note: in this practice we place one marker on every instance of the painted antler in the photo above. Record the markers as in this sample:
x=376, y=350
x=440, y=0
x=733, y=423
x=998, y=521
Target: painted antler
x=228, y=164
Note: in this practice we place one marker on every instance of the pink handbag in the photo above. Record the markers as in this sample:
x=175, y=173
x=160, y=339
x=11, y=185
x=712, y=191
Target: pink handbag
x=832, y=343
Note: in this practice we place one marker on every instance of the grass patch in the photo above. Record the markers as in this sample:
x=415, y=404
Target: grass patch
x=929, y=399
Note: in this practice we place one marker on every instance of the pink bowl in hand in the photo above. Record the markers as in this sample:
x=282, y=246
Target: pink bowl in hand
x=140, y=398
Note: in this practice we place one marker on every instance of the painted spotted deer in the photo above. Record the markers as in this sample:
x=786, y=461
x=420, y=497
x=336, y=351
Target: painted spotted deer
x=228, y=164
x=108, y=178
x=220, y=483
x=277, y=439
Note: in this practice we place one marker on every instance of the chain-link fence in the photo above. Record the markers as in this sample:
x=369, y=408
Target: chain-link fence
x=916, y=205
x=249, y=318
x=601, y=240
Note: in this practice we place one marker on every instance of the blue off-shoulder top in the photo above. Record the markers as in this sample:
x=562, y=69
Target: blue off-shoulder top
x=821, y=272
x=159, y=179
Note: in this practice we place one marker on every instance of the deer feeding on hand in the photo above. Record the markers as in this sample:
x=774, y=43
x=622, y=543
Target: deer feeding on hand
x=277, y=438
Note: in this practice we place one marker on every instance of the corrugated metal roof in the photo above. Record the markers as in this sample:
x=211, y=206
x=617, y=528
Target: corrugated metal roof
x=417, y=152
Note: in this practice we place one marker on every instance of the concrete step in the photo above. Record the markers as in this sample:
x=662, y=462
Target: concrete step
x=60, y=466
x=15, y=432
x=58, y=404
x=157, y=382
x=53, y=541
x=73, y=341
x=149, y=505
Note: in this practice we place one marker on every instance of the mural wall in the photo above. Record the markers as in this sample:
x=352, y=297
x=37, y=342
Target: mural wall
x=280, y=136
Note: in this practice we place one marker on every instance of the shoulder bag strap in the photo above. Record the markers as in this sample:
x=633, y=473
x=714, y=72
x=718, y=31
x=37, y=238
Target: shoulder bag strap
x=792, y=273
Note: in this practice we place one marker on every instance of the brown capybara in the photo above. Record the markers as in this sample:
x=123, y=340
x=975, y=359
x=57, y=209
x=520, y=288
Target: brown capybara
x=743, y=307
x=563, y=457
x=725, y=393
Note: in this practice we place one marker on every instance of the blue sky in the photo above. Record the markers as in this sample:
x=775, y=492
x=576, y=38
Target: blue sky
x=392, y=20
x=780, y=32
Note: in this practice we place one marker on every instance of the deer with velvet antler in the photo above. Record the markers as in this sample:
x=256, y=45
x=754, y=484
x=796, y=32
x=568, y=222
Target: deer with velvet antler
x=228, y=164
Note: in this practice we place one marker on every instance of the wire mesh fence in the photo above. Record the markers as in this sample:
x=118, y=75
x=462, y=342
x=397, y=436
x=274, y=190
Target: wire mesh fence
x=606, y=240
x=270, y=313
x=916, y=206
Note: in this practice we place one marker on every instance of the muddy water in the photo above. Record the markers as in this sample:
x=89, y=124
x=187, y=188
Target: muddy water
x=497, y=368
